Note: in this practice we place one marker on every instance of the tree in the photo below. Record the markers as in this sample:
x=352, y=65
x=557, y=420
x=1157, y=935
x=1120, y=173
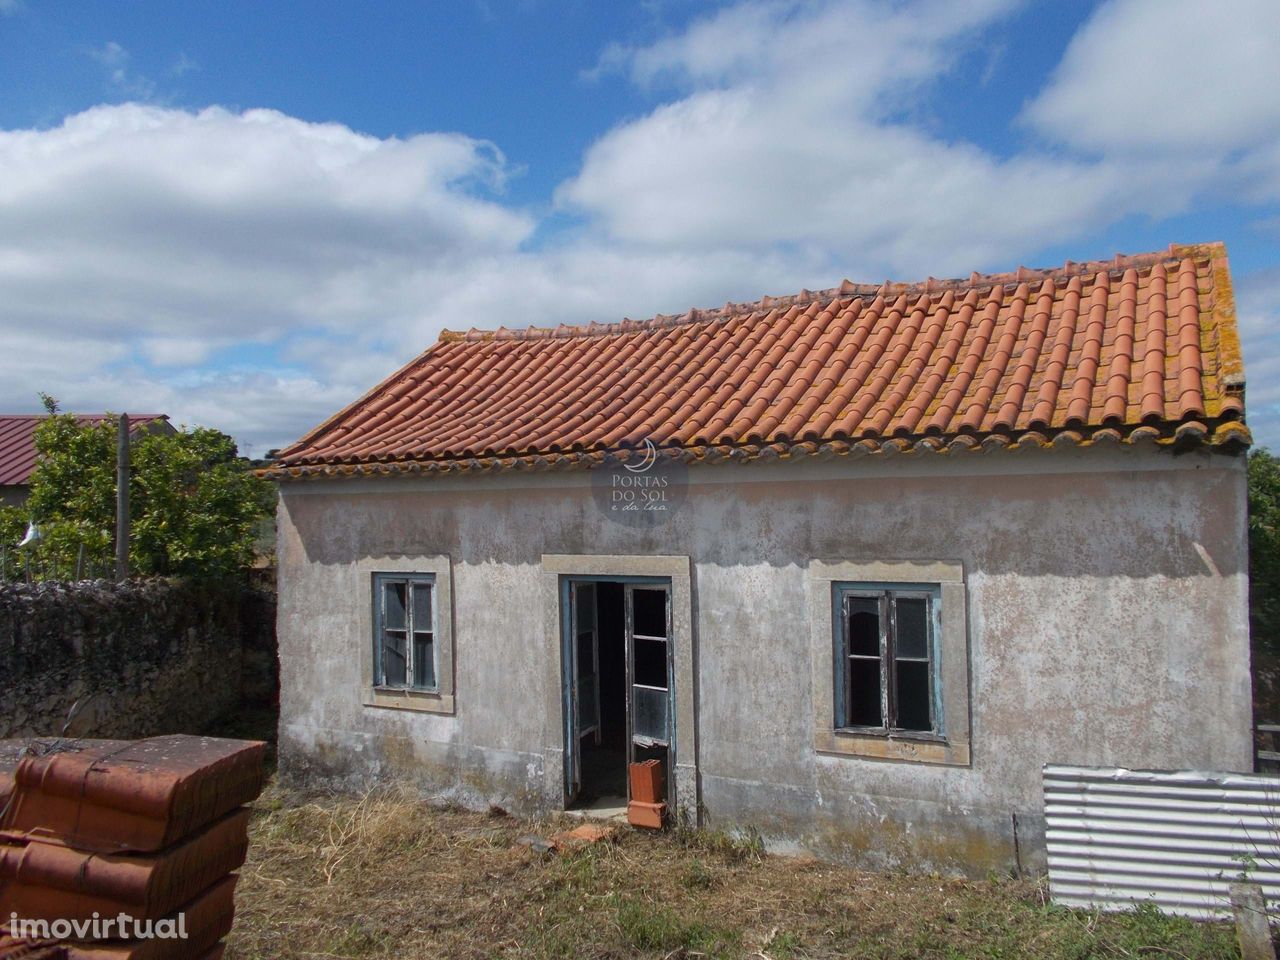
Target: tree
x=196, y=507
x=1264, y=550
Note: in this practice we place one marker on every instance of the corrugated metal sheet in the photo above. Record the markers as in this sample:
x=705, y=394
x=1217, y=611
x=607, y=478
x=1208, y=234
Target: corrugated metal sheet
x=1117, y=836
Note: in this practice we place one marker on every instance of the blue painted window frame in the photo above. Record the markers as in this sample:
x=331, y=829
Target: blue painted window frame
x=933, y=592
x=413, y=582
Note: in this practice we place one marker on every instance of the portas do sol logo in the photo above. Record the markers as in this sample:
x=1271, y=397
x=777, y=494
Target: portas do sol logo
x=644, y=493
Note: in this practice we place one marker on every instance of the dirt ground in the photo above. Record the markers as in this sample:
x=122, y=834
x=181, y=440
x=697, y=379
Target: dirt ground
x=389, y=876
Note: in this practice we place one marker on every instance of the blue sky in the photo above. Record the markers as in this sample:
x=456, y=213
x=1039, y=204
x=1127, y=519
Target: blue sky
x=246, y=214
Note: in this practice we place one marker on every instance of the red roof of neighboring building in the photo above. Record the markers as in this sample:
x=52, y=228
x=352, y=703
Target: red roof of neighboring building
x=18, y=441
x=1139, y=348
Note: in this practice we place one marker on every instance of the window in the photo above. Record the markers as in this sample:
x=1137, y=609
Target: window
x=405, y=640
x=886, y=658
x=890, y=668
x=404, y=643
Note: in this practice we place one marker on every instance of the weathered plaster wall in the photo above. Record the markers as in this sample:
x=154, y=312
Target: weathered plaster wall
x=144, y=657
x=1107, y=625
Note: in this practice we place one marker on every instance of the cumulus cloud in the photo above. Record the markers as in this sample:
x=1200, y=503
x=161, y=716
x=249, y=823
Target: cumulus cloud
x=1173, y=74
x=1192, y=83
x=159, y=221
x=788, y=132
x=1258, y=310
x=138, y=232
x=124, y=81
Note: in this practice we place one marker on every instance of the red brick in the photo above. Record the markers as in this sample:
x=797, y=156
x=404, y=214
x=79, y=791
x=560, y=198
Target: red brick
x=650, y=815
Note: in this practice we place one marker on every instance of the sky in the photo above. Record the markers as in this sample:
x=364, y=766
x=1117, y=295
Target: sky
x=245, y=215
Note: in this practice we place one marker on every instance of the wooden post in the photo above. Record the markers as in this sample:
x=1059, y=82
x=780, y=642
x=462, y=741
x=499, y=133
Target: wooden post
x=122, y=498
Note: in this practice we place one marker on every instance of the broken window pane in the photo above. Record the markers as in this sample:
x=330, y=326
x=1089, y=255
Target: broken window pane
x=649, y=713
x=393, y=658
x=911, y=635
x=863, y=708
x=424, y=660
x=394, y=605
x=887, y=655
x=913, y=695
x=404, y=638
x=649, y=610
x=422, y=608
x=650, y=662
x=864, y=626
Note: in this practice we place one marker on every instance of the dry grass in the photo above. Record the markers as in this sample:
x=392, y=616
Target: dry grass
x=387, y=876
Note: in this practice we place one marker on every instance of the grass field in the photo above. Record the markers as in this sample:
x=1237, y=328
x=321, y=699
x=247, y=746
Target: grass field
x=387, y=876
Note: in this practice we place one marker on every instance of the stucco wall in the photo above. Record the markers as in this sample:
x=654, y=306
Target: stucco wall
x=1106, y=596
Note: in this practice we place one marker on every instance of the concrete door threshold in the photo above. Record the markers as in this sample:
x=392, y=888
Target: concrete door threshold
x=603, y=808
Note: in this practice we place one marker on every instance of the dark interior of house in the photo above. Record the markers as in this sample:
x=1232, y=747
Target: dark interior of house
x=604, y=766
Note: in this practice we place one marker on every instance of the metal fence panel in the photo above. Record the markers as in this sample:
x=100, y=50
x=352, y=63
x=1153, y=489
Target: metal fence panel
x=1117, y=837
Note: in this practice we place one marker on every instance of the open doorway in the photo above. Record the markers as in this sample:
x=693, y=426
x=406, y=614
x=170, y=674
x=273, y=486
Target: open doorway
x=618, y=695
x=604, y=749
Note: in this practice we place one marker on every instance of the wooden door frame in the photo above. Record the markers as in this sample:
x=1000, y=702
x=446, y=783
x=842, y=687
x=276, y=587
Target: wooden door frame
x=676, y=571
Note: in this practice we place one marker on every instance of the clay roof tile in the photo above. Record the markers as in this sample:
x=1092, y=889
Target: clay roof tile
x=1146, y=341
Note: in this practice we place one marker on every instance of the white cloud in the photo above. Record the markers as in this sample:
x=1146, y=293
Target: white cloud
x=258, y=408
x=166, y=234
x=1258, y=310
x=752, y=168
x=146, y=221
x=784, y=135
x=787, y=132
x=115, y=60
x=1185, y=83
x=182, y=65
x=1175, y=74
x=758, y=41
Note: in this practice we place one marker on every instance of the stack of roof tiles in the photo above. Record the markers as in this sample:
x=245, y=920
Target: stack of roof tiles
x=151, y=828
x=1139, y=349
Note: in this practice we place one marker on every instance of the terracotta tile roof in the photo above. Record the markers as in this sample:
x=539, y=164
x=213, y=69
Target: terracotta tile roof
x=18, y=441
x=1136, y=349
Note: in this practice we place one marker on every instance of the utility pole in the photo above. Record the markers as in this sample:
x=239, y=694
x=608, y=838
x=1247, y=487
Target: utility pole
x=122, y=498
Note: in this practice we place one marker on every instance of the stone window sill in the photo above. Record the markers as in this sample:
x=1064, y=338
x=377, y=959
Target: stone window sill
x=879, y=745
x=423, y=701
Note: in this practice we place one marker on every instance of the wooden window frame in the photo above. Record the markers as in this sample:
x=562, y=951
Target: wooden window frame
x=886, y=597
x=950, y=747
x=412, y=582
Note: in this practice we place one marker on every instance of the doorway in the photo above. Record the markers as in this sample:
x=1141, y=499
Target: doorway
x=619, y=705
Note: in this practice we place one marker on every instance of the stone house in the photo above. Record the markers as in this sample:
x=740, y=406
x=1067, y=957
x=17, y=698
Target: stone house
x=852, y=564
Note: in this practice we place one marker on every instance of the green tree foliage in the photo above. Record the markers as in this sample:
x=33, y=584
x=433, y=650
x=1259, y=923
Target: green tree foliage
x=195, y=505
x=1264, y=550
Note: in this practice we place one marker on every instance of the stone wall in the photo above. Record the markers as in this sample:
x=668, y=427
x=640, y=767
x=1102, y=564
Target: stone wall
x=144, y=657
